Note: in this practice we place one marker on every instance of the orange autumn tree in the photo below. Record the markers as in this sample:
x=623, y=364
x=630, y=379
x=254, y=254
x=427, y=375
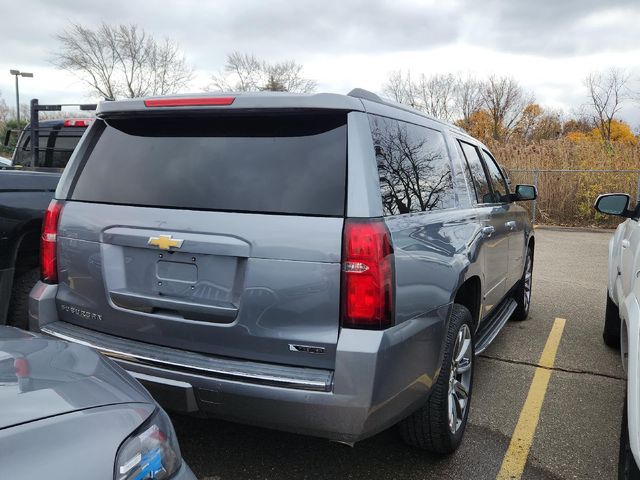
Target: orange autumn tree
x=620, y=133
x=478, y=125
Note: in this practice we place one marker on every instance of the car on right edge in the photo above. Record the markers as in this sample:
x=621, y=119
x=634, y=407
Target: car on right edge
x=622, y=319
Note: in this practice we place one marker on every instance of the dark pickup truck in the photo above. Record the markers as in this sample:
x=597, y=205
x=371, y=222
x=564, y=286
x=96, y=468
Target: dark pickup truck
x=25, y=192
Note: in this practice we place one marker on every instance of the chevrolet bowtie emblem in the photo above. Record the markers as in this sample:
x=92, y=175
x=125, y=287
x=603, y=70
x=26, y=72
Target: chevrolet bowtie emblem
x=164, y=242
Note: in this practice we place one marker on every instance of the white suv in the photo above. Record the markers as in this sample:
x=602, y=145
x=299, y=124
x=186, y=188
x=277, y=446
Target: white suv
x=622, y=319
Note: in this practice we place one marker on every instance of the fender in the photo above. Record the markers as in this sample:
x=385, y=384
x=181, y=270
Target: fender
x=630, y=333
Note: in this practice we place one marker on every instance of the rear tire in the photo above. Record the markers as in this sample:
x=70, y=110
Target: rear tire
x=611, y=332
x=438, y=426
x=19, y=302
x=522, y=293
x=627, y=467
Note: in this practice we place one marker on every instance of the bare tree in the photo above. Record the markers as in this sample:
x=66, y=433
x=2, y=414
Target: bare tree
x=437, y=95
x=4, y=111
x=122, y=60
x=400, y=88
x=607, y=92
x=505, y=100
x=244, y=72
x=468, y=99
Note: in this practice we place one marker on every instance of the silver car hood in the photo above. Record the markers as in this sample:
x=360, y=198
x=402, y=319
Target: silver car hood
x=42, y=377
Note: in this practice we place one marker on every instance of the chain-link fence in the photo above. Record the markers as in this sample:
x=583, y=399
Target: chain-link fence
x=566, y=197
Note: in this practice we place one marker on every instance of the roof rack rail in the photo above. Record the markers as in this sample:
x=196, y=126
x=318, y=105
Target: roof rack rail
x=366, y=94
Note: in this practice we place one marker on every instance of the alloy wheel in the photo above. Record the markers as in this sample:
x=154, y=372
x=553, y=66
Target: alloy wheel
x=528, y=279
x=460, y=378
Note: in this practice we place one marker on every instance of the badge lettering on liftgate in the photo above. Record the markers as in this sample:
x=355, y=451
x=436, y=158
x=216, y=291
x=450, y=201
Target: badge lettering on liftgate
x=80, y=313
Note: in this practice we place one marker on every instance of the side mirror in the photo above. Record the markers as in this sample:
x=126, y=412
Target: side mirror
x=525, y=192
x=614, y=204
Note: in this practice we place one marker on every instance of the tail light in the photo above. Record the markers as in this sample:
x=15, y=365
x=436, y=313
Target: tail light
x=48, y=242
x=367, y=275
x=21, y=367
x=78, y=122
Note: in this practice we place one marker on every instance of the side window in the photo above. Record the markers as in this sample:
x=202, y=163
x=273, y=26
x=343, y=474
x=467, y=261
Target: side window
x=476, y=170
x=413, y=165
x=498, y=182
x=23, y=154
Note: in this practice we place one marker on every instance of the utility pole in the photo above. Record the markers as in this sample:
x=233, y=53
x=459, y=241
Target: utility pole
x=17, y=74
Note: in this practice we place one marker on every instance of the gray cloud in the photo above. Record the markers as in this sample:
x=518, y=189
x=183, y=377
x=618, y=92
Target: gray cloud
x=281, y=28
x=549, y=28
x=308, y=30
x=207, y=30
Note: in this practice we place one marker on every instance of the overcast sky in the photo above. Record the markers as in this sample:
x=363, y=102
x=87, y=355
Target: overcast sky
x=547, y=45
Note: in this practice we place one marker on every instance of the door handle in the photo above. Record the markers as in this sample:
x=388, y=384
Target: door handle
x=488, y=231
x=511, y=225
x=625, y=244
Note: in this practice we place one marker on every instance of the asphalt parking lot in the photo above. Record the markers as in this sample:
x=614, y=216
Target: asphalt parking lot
x=577, y=435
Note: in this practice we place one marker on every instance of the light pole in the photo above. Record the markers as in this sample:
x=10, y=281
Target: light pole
x=17, y=74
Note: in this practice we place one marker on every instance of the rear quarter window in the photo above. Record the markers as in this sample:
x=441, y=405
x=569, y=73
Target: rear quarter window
x=413, y=165
x=285, y=163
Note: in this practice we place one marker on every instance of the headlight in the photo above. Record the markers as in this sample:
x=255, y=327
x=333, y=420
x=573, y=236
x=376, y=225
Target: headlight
x=150, y=453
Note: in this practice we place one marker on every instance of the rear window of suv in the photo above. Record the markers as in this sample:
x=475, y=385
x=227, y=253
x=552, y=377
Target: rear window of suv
x=284, y=164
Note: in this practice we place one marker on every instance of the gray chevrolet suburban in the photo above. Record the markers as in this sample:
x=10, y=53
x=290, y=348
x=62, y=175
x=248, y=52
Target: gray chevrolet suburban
x=322, y=264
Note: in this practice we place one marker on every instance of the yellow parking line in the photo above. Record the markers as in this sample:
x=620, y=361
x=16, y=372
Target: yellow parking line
x=522, y=438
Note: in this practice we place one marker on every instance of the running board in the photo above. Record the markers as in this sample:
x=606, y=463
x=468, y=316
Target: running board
x=492, y=325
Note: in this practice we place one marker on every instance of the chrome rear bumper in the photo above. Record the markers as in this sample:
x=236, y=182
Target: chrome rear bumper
x=196, y=363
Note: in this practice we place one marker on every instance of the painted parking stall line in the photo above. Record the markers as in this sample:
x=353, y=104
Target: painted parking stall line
x=516, y=457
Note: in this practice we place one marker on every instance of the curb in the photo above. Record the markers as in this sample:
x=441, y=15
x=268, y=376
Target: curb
x=559, y=228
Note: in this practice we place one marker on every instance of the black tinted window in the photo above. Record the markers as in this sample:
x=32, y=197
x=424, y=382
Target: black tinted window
x=275, y=164
x=477, y=173
x=497, y=180
x=414, y=167
x=55, y=146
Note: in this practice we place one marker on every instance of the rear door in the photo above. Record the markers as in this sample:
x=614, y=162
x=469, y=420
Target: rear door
x=494, y=217
x=218, y=234
x=515, y=218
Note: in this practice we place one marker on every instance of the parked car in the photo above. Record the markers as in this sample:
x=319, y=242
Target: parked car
x=25, y=192
x=5, y=162
x=322, y=264
x=68, y=412
x=57, y=139
x=622, y=317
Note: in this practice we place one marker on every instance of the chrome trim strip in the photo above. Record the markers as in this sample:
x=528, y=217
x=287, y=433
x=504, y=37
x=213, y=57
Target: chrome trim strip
x=305, y=378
